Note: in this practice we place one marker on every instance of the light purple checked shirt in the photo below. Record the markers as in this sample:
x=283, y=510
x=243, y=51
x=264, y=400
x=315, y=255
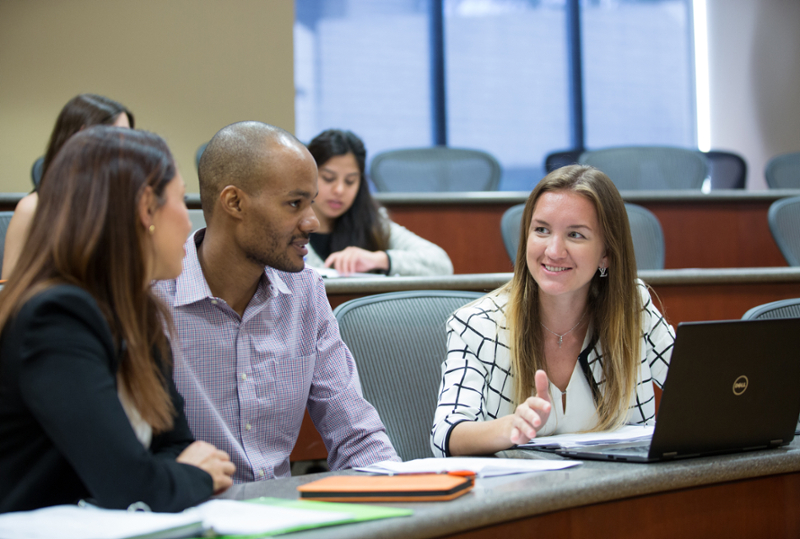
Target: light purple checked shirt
x=247, y=381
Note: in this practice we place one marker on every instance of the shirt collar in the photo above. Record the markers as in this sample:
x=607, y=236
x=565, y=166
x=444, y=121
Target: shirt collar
x=191, y=285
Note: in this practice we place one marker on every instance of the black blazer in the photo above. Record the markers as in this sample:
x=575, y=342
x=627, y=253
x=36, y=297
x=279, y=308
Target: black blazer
x=63, y=432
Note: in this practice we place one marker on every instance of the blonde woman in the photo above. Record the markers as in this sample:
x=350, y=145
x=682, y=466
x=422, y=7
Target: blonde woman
x=572, y=343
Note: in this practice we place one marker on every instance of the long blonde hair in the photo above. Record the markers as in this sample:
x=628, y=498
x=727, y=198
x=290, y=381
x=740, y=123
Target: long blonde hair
x=614, y=302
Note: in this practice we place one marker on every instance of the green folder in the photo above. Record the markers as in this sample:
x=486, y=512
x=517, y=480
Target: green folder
x=362, y=513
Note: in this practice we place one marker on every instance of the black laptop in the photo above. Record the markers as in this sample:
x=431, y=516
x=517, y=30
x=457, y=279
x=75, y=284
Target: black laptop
x=732, y=386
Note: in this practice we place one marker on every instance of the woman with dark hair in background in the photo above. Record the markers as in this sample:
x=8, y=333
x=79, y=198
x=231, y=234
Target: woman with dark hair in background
x=572, y=343
x=88, y=408
x=80, y=112
x=355, y=233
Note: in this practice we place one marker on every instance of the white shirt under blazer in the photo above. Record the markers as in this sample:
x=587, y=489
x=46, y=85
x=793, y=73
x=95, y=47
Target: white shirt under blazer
x=478, y=385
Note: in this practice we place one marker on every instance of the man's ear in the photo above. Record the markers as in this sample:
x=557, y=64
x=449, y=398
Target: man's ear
x=147, y=207
x=232, y=199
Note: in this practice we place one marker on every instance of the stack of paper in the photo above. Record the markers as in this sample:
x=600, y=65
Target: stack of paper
x=483, y=467
x=627, y=434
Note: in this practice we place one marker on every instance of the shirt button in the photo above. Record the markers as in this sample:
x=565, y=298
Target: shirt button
x=244, y=377
x=213, y=302
x=261, y=473
x=248, y=426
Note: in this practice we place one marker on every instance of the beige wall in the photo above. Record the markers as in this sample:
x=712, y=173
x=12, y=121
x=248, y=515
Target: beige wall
x=184, y=67
x=754, y=57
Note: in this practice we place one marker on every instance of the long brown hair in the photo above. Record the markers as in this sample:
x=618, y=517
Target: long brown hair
x=614, y=302
x=87, y=233
x=361, y=225
x=82, y=111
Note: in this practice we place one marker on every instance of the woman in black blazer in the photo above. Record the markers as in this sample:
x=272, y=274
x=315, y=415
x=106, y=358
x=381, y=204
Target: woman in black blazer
x=88, y=409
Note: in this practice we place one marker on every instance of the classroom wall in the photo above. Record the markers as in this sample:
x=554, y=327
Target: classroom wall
x=754, y=57
x=188, y=67
x=184, y=67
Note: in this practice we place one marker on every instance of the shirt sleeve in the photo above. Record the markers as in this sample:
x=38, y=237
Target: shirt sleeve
x=350, y=427
x=464, y=384
x=68, y=381
x=658, y=338
x=411, y=255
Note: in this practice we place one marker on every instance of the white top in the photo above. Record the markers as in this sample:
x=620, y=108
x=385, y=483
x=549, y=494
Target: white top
x=580, y=413
x=142, y=429
x=479, y=385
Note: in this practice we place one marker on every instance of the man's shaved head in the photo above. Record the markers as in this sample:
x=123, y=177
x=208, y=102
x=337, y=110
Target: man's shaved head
x=240, y=155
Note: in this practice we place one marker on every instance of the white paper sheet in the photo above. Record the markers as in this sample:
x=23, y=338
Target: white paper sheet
x=626, y=434
x=483, y=467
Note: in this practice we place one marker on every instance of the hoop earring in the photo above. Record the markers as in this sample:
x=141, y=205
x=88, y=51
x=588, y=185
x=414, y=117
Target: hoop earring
x=603, y=271
x=152, y=229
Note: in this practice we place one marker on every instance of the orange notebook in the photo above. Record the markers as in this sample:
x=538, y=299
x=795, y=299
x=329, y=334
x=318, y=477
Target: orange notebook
x=388, y=488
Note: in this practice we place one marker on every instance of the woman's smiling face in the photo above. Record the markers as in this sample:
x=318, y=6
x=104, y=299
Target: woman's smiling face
x=565, y=244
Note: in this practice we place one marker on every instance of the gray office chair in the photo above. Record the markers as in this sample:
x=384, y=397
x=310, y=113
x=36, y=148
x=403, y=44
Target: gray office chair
x=5, y=218
x=649, y=167
x=199, y=154
x=437, y=169
x=399, y=342
x=784, y=223
x=727, y=170
x=783, y=171
x=36, y=172
x=648, y=237
x=197, y=219
x=560, y=159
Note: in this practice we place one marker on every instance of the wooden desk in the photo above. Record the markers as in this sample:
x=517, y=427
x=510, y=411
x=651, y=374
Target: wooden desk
x=754, y=494
x=722, y=229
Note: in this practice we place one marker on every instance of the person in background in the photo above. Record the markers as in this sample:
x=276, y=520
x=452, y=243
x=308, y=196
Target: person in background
x=355, y=233
x=88, y=409
x=258, y=342
x=81, y=111
x=572, y=343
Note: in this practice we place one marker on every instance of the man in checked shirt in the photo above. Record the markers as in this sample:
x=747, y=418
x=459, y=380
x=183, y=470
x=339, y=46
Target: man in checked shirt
x=256, y=342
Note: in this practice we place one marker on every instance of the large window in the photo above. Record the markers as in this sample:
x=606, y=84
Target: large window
x=507, y=83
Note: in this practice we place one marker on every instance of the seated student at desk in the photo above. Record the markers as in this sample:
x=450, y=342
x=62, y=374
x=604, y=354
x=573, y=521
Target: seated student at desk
x=355, y=234
x=575, y=328
x=88, y=408
x=80, y=112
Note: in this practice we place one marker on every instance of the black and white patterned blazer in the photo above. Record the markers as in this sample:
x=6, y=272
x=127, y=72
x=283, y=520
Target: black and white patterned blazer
x=477, y=382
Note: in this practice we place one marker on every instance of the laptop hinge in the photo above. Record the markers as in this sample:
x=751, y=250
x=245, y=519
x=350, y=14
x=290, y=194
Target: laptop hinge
x=775, y=442
x=670, y=455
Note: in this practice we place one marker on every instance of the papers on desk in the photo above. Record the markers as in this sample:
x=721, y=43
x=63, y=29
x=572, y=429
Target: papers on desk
x=626, y=434
x=330, y=273
x=263, y=516
x=483, y=467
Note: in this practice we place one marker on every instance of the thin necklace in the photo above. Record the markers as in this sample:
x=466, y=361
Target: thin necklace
x=561, y=337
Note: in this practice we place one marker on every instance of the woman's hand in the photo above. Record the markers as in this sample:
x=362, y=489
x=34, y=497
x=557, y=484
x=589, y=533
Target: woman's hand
x=357, y=260
x=531, y=415
x=212, y=460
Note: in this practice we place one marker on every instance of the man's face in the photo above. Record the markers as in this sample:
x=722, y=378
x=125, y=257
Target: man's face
x=279, y=217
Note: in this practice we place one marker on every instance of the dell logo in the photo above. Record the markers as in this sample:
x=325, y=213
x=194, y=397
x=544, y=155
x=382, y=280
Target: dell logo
x=740, y=385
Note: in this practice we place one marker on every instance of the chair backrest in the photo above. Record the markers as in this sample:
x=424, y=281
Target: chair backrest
x=197, y=219
x=649, y=167
x=727, y=170
x=785, y=308
x=36, y=172
x=784, y=223
x=648, y=237
x=5, y=218
x=561, y=159
x=437, y=169
x=399, y=343
x=199, y=154
x=783, y=171
x=510, y=227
